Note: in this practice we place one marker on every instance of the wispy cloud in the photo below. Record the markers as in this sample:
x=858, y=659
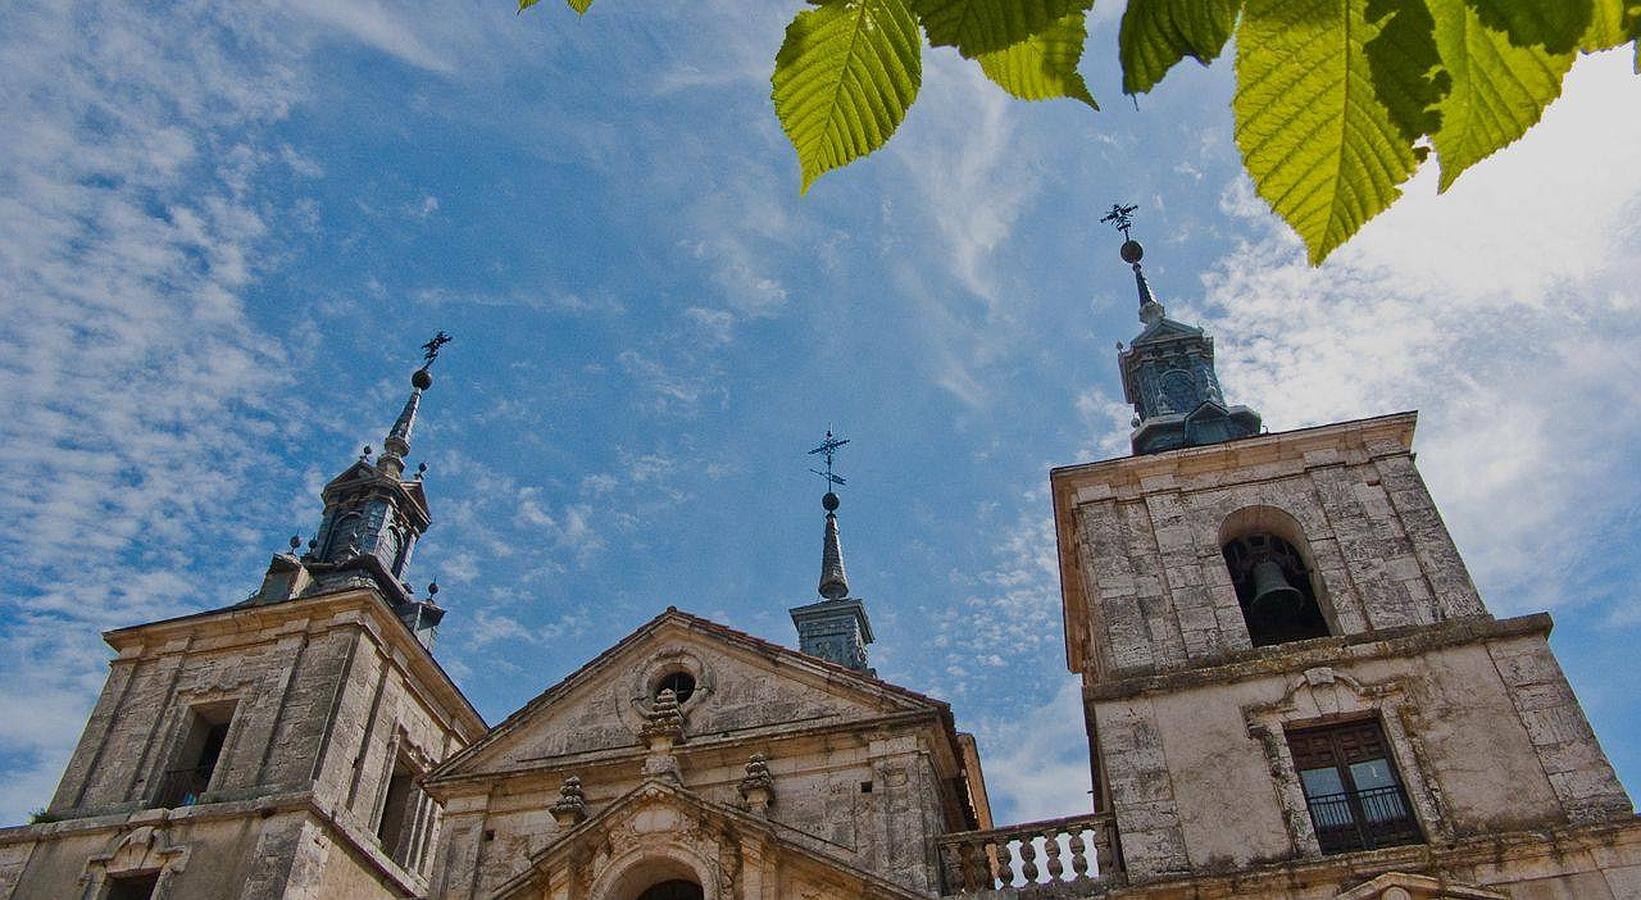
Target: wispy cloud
x=135, y=394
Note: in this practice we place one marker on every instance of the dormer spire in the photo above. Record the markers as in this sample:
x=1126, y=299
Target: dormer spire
x=1168, y=371
x=834, y=585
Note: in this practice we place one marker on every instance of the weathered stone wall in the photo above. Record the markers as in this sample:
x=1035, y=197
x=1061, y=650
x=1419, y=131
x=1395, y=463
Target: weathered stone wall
x=328, y=694
x=1152, y=592
x=1200, y=776
x=1571, y=863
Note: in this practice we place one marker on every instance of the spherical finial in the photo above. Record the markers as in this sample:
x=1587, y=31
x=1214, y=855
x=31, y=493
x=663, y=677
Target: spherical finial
x=421, y=379
x=830, y=501
x=432, y=588
x=296, y=541
x=1132, y=252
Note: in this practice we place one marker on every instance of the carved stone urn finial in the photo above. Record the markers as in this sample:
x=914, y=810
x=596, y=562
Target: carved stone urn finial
x=663, y=731
x=571, y=806
x=758, y=787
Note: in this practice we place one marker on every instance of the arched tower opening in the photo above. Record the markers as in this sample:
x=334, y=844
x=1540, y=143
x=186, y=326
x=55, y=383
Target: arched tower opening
x=1269, y=562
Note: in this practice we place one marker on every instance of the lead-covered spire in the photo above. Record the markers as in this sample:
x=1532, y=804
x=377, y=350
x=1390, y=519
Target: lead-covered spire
x=834, y=584
x=1168, y=371
x=836, y=628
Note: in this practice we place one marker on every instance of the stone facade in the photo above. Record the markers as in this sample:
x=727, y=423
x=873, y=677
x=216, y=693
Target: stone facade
x=1191, y=722
x=306, y=744
x=792, y=772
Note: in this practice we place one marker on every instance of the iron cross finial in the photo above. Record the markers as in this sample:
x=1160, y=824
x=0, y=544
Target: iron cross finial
x=829, y=449
x=431, y=348
x=1122, y=217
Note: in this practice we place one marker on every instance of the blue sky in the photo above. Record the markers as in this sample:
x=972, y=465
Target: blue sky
x=225, y=228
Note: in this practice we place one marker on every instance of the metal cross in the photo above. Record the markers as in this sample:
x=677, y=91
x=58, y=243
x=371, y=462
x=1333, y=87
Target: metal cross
x=431, y=348
x=829, y=449
x=1122, y=217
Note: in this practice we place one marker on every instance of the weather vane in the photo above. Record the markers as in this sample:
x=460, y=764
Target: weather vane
x=828, y=449
x=1122, y=217
x=431, y=348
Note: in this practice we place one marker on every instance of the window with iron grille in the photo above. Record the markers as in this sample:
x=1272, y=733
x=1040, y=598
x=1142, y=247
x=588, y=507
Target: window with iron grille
x=1351, y=785
x=187, y=780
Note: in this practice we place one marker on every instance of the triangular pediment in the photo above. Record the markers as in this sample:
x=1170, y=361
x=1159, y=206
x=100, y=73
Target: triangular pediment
x=363, y=474
x=662, y=830
x=744, y=688
x=359, y=472
x=1165, y=330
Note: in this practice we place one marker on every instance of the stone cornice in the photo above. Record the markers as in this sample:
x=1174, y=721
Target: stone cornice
x=1261, y=662
x=361, y=608
x=550, y=769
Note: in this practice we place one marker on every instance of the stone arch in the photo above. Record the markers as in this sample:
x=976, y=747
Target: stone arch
x=636, y=871
x=1259, y=521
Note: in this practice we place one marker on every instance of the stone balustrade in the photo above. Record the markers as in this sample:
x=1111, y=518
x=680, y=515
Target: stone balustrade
x=1076, y=850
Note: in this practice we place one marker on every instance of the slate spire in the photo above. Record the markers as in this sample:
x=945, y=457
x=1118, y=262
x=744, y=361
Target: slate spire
x=373, y=517
x=1168, y=371
x=834, y=584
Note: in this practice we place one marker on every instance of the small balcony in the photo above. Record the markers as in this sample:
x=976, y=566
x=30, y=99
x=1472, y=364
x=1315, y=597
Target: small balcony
x=183, y=787
x=1363, y=820
x=1076, y=852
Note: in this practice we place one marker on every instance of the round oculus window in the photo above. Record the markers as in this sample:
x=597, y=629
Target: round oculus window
x=680, y=682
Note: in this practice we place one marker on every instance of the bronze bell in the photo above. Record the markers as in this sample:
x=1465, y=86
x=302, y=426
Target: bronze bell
x=1272, y=592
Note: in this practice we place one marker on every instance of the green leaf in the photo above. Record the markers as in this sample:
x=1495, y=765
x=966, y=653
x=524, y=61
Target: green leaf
x=844, y=78
x=1156, y=34
x=1330, y=97
x=580, y=6
x=986, y=26
x=1499, y=89
x=1606, y=27
x=1555, y=25
x=1043, y=66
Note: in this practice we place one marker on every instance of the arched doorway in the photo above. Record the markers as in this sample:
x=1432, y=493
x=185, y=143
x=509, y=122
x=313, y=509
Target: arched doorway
x=673, y=889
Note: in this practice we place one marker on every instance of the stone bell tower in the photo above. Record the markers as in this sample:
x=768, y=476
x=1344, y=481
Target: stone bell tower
x=1288, y=675
x=271, y=747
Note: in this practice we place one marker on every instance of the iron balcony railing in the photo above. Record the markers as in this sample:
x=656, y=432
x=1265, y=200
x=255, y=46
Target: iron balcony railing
x=1075, y=849
x=184, y=787
x=1363, y=820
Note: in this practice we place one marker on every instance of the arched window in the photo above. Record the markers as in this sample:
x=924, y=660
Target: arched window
x=341, y=529
x=1274, y=588
x=673, y=889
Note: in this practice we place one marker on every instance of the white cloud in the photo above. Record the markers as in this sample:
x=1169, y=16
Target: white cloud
x=135, y=395
x=385, y=27
x=1036, y=760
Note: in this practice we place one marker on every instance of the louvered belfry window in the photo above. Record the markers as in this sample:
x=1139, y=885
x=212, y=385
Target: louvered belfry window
x=1351, y=785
